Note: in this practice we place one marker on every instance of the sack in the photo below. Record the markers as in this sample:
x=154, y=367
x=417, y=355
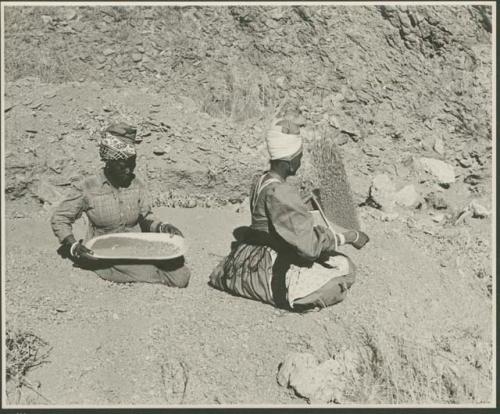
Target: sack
x=323, y=284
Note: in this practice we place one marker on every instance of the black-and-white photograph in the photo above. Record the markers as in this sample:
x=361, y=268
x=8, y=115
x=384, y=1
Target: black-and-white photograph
x=248, y=204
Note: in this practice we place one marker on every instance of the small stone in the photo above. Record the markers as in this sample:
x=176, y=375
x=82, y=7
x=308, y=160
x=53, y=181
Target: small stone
x=100, y=59
x=108, y=51
x=442, y=172
x=438, y=218
x=436, y=202
x=389, y=217
x=191, y=203
x=115, y=316
x=136, y=57
x=69, y=14
x=158, y=151
x=382, y=192
x=478, y=211
x=46, y=19
x=464, y=162
x=439, y=146
x=407, y=196
x=280, y=81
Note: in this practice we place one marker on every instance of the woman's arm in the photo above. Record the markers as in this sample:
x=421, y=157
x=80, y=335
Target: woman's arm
x=66, y=213
x=295, y=224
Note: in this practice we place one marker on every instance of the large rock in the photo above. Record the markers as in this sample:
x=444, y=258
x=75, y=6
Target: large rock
x=442, y=172
x=382, y=192
x=295, y=364
x=408, y=196
x=317, y=383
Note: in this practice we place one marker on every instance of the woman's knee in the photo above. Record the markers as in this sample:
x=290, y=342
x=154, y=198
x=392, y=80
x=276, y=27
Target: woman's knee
x=180, y=278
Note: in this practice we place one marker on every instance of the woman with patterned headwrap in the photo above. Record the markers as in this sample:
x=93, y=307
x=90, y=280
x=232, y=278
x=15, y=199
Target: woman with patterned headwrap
x=116, y=201
x=284, y=259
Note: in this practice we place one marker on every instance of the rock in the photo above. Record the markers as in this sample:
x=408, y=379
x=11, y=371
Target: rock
x=69, y=14
x=108, y=51
x=389, y=216
x=441, y=171
x=136, y=57
x=477, y=210
x=439, y=146
x=46, y=19
x=438, y=218
x=100, y=59
x=436, y=202
x=55, y=163
x=280, y=81
x=382, y=192
x=473, y=179
x=407, y=196
x=465, y=162
x=192, y=203
x=463, y=216
x=295, y=363
x=317, y=383
x=158, y=151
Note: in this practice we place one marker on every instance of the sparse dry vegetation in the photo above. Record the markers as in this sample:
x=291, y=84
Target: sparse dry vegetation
x=24, y=352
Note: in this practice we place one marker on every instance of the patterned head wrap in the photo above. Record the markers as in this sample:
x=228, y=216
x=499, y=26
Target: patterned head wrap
x=118, y=142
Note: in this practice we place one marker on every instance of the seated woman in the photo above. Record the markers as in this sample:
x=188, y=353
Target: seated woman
x=115, y=201
x=284, y=259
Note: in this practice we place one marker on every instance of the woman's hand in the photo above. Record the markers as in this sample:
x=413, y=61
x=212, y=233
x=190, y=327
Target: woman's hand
x=170, y=229
x=78, y=250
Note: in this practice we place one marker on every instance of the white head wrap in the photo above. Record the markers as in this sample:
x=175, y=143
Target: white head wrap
x=282, y=146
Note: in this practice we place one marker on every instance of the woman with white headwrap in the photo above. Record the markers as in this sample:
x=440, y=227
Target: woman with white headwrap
x=115, y=201
x=284, y=259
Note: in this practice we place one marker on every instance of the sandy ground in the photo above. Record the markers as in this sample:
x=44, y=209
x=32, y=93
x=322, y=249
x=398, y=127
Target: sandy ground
x=152, y=345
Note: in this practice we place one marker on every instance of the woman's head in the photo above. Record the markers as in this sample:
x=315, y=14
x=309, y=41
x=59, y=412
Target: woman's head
x=284, y=142
x=117, y=150
x=121, y=172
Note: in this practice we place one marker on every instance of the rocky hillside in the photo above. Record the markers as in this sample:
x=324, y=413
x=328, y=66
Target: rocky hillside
x=386, y=83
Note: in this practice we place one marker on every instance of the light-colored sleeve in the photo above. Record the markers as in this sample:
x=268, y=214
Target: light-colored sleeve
x=147, y=219
x=295, y=224
x=67, y=212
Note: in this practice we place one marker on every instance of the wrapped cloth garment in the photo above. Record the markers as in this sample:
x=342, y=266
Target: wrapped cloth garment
x=282, y=258
x=116, y=210
x=118, y=142
x=282, y=146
